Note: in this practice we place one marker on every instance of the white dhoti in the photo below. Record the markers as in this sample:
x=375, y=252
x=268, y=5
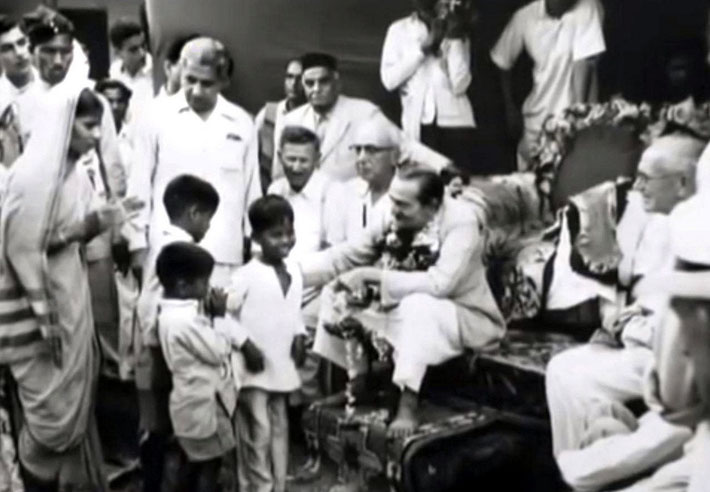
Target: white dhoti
x=582, y=376
x=623, y=456
x=422, y=330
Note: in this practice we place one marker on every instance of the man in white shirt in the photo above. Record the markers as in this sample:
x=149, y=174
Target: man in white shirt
x=562, y=37
x=377, y=147
x=602, y=376
x=133, y=64
x=196, y=131
x=17, y=71
x=310, y=193
x=426, y=57
x=119, y=97
x=269, y=121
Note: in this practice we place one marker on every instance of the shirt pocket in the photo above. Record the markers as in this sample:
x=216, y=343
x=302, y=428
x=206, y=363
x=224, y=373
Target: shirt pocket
x=231, y=154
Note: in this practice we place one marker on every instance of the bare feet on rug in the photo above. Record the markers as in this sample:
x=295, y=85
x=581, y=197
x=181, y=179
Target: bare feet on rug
x=407, y=419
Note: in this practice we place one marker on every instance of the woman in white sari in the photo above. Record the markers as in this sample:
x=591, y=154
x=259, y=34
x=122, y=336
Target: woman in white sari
x=47, y=216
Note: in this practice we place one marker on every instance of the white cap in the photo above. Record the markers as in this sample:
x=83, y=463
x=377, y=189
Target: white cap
x=690, y=230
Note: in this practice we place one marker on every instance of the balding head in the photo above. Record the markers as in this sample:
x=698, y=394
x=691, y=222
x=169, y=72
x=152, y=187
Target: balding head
x=377, y=131
x=666, y=173
x=205, y=68
x=209, y=56
x=376, y=145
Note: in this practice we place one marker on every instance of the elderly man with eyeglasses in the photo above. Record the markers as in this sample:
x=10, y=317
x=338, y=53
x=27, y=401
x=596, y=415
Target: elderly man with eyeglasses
x=601, y=377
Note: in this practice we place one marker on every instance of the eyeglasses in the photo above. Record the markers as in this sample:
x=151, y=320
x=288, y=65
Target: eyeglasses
x=369, y=149
x=643, y=179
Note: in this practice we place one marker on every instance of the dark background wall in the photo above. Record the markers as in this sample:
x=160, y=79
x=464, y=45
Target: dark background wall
x=263, y=34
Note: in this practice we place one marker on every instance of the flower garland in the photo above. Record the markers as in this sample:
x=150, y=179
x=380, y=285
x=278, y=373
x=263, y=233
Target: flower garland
x=558, y=132
x=398, y=250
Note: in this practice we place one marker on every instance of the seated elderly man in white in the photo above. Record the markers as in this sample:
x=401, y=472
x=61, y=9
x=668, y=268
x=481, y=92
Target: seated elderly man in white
x=600, y=375
x=430, y=311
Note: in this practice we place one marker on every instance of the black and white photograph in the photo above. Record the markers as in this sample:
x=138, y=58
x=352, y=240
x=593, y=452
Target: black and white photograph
x=354, y=245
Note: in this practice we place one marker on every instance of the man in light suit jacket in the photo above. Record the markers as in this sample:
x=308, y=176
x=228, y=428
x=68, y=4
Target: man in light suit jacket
x=431, y=314
x=331, y=115
x=335, y=118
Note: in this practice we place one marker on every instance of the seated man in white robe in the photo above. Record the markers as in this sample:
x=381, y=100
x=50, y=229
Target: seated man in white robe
x=431, y=312
x=617, y=446
x=680, y=381
x=597, y=374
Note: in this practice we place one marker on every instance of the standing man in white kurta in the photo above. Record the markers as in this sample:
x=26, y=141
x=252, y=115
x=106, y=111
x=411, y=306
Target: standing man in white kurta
x=133, y=65
x=196, y=131
x=426, y=57
x=562, y=37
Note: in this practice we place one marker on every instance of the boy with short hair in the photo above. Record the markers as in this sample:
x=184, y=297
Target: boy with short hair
x=190, y=203
x=265, y=298
x=203, y=397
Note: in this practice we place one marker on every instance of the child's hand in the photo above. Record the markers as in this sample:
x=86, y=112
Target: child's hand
x=298, y=350
x=253, y=357
x=216, y=302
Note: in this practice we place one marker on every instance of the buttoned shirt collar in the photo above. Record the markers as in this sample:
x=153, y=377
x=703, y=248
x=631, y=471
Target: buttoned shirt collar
x=145, y=71
x=221, y=108
x=313, y=190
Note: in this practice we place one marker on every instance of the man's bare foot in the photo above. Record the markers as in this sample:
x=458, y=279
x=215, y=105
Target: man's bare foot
x=407, y=419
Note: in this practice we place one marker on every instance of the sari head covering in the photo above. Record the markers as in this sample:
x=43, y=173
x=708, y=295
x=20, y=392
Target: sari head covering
x=28, y=212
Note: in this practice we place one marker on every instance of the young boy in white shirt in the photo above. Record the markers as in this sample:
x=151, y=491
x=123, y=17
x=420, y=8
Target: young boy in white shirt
x=265, y=298
x=203, y=397
x=190, y=203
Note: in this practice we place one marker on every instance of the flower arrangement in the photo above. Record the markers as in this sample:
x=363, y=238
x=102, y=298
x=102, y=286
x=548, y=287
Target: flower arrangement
x=559, y=131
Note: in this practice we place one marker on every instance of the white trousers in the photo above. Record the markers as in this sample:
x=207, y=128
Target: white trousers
x=262, y=444
x=583, y=376
x=423, y=331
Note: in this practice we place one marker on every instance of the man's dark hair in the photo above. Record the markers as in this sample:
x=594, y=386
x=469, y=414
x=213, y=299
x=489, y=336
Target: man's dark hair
x=182, y=261
x=450, y=172
x=89, y=104
x=298, y=135
x=185, y=191
x=269, y=211
x=175, y=48
x=310, y=60
x=44, y=24
x=107, y=84
x=431, y=185
x=122, y=30
x=8, y=23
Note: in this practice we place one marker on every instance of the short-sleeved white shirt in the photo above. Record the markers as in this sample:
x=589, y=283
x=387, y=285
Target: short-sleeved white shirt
x=554, y=44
